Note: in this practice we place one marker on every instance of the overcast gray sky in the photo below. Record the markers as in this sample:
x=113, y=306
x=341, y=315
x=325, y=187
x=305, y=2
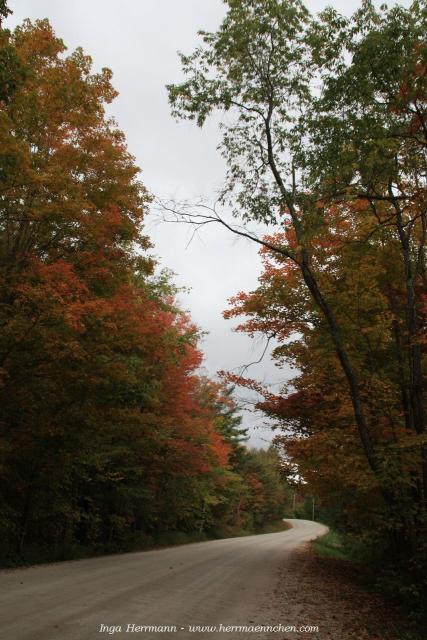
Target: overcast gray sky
x=139, y=40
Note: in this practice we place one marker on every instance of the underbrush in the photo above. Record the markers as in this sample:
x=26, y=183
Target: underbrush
x=331, y=545
x=363, y=565
x=335, y=545
x=138, y=542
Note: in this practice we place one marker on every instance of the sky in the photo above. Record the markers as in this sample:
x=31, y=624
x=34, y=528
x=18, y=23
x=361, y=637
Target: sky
x=138, y=40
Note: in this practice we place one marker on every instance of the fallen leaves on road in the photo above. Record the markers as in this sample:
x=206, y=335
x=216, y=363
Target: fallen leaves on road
x=324, y=592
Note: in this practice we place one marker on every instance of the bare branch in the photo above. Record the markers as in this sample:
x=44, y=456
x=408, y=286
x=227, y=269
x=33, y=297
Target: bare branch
x=187, y=213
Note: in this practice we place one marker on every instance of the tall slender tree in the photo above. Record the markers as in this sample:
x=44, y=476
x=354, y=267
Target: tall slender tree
x=327, y=113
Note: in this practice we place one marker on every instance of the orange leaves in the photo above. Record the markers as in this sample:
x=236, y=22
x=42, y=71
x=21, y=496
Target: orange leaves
x=353, y=252
x=220, y=450
x=52, y=291
x=248, y=383
x=76, y=177
x=411, y=99
x=360, y=204
x=103, y=406
x=38, y=41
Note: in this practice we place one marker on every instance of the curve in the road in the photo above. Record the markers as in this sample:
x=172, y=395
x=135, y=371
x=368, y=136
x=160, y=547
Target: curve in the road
x=220, y=581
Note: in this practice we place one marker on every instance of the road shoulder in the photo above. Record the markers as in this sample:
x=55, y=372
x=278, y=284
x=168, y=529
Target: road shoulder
x=323, y=592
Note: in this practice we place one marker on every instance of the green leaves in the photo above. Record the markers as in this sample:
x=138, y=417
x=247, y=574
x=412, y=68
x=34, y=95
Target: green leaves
x=324, y=131
x=4, y=10
x=257, y=69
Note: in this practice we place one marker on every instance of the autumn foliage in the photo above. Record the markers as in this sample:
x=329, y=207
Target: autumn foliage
x=110, y=436
x=323, y=127
x=360, y=270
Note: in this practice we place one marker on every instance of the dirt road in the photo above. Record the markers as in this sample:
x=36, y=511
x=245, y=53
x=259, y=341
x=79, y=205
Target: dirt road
x=228, y=582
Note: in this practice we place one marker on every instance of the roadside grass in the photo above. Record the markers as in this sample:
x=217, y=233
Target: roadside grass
x=335, y=545
x=332, y=545
x=348, y=557
x=344, y=557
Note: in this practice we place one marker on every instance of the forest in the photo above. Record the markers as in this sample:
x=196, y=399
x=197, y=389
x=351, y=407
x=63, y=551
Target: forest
x=112, y=437
x=324, y=132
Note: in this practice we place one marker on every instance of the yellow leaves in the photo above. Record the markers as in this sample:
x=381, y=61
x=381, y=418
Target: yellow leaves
x=36, y=41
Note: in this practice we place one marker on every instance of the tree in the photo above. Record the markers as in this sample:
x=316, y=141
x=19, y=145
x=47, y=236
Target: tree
x=98, y=385
x=313, y=410
x=4, y=10
x=324, y=138
x=110, y=435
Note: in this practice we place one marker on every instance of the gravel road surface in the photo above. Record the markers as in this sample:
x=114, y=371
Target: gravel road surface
x=228, y=582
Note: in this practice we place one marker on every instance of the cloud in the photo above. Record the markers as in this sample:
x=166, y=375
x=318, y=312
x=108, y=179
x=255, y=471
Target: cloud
x=139, y=42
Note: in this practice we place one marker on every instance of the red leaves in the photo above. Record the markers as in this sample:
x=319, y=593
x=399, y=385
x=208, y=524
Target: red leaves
x=103, y=407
